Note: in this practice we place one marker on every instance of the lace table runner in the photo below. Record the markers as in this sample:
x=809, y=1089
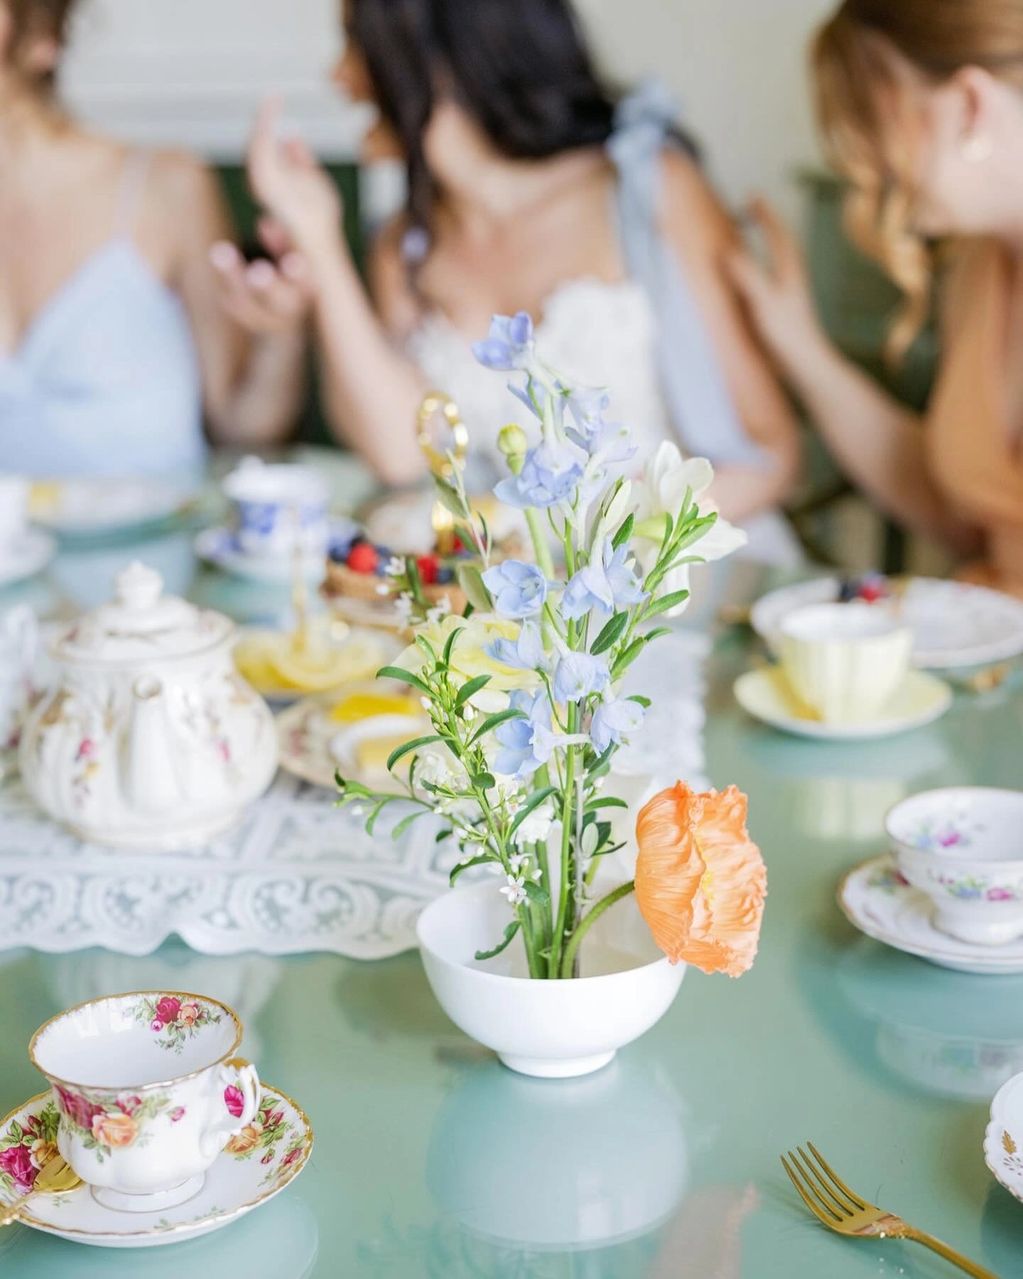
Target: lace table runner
x=296, y=874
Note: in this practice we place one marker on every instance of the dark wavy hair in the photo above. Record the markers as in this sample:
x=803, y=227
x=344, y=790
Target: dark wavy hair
x=33, y=18
x=520, y=68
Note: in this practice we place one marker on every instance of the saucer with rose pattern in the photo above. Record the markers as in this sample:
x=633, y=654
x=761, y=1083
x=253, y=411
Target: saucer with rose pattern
x=255, y=1165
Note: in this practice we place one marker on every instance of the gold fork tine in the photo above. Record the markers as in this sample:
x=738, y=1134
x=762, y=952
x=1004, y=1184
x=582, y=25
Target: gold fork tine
x=853, y=1198
x=821, y=1186
x=824, y=1192
x=799, y=1189
x=819, y=1209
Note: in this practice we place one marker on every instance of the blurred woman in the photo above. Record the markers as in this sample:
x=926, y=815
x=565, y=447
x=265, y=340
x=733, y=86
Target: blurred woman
x=112, y=337
x=529, y=188
x=921, y=104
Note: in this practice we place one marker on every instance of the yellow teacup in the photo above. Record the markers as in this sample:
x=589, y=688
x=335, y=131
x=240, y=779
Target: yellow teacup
x=844, y=661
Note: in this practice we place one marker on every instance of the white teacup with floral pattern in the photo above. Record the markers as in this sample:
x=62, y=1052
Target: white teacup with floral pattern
x=963, y=847
x=149, y=1093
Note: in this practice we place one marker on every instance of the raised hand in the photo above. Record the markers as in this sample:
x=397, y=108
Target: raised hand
x=778, y=294
x=293, y=189
x=268, y=295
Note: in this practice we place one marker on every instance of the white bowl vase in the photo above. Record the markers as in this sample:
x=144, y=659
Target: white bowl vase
x=550, y=1029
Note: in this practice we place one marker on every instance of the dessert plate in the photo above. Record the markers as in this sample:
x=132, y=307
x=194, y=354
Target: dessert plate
x=766, y=695
x=28, y=554
x=254, y=1166
x=877, y=900
x=1003, y=1139
x=314, y=743
x=219, y=546
x=954, y=623
x=93, y=507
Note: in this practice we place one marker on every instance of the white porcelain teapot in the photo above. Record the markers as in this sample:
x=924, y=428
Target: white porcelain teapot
x=150, y=738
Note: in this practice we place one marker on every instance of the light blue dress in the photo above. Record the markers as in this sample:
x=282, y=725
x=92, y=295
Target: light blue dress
x=106, y=379
x=693, y=383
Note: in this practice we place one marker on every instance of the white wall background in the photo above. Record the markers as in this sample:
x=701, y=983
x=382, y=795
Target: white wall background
x=191, y=71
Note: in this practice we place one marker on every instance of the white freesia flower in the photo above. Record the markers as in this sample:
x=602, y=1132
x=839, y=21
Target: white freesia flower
x=667, y=478
x=618, y=508
x=535, y=828
x=436, y=765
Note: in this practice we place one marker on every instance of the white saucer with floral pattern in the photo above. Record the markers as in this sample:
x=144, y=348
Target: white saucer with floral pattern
x=256, y=1164
x=1003, y=1140
x=353, y=732
x=876, y=899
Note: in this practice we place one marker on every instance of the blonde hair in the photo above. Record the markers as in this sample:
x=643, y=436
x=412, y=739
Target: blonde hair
x=852, y=66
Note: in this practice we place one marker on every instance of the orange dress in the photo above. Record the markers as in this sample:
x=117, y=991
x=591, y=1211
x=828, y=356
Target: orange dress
x=974, y=452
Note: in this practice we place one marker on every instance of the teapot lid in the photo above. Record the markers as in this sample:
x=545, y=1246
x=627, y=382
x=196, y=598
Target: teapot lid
x=141, y=623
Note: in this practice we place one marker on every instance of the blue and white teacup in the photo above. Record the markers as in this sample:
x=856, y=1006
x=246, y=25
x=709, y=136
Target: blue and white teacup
x=279, y=507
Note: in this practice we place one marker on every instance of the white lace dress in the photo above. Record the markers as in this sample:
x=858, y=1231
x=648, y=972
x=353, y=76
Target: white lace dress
x=596, y=334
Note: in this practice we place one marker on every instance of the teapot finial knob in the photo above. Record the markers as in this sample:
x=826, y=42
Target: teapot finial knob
x=138, y=586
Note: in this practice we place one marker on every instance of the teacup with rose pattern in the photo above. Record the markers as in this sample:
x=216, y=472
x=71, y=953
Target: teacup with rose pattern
x=149, y=1092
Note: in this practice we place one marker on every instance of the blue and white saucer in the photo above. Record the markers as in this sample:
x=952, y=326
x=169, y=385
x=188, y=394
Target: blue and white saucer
x=219, y=546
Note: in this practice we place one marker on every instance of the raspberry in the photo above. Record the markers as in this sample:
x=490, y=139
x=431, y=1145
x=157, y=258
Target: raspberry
x=428, y=566
x=363, y=558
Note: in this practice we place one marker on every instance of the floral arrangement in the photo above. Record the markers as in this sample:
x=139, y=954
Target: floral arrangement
x=525, y=692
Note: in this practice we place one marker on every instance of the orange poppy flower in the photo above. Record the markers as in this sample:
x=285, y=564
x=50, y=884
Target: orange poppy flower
x=700, y=879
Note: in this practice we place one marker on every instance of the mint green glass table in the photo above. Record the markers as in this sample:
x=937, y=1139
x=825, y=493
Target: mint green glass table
x=433, y=1160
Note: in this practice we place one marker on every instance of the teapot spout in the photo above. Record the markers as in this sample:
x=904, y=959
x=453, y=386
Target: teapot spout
x=152, y=784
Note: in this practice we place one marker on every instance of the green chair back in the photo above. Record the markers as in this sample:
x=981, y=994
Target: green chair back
x=311, y=427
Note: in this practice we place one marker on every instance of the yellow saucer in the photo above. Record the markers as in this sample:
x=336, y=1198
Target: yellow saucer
x=766, y=695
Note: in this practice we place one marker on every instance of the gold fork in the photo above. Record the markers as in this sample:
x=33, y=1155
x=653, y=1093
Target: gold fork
x=841, y=1209
x=55, y=1177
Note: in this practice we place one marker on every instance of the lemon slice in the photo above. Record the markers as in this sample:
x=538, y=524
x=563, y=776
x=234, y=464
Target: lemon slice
x=274, y=663
x=319, y=668
x=360, y=706
x=372, y=754
x=254, y=658
x=44, y=497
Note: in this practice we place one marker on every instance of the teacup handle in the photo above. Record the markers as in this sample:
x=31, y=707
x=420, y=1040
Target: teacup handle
x=240, y=1074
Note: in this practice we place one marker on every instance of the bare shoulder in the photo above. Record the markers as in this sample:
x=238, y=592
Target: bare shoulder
x=179, y=178
x=180, y=212
x=691, y=211
x=389, y=279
